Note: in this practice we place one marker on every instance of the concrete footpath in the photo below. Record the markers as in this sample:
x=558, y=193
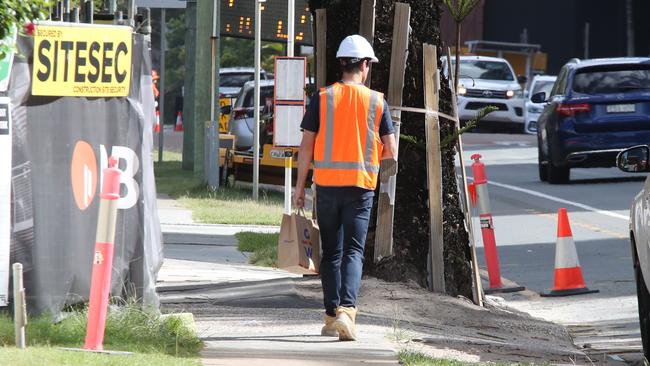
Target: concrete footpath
x=251, y=315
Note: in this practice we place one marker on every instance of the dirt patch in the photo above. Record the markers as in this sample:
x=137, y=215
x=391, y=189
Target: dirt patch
x=454, y=328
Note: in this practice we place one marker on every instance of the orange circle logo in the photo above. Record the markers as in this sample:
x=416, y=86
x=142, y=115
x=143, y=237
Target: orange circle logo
x=83, y=173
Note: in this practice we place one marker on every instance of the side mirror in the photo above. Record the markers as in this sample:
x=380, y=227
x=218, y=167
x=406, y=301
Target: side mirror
x=538, y=97
x=226, y=109
x=521, y=79
x=634, y=159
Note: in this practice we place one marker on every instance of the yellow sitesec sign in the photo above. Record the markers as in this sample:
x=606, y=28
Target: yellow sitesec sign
x=82, y=61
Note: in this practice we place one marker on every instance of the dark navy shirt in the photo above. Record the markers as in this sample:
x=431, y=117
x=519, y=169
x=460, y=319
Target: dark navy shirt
x=311, y=119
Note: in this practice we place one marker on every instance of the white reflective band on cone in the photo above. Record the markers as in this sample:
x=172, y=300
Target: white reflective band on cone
x=482, y=199
x=565, y=253
x=106, y=221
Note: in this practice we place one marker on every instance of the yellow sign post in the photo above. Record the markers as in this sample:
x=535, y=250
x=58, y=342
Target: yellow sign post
x=77, y=60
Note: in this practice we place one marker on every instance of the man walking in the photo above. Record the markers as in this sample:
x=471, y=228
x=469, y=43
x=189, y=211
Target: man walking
x=347, y=133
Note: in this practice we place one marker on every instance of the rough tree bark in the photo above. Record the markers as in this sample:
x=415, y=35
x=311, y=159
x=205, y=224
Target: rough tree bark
x=411, y=233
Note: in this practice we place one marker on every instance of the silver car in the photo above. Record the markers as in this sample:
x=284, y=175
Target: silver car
x=635, y=160
x=540, y=83
x=241, y=122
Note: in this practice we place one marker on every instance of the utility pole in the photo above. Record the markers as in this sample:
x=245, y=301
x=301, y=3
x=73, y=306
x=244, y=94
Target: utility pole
x=188, y=86
x=256, y=99
x=198, y=64
x=291, y=17
x=213, y=132
x=629, y=15
x=586, y=45
x=161, y=99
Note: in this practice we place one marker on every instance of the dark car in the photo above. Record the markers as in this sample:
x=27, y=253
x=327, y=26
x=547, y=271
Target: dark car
x=596, y=109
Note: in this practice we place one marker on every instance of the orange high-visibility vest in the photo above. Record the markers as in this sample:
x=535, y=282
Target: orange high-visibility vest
x=348, y=148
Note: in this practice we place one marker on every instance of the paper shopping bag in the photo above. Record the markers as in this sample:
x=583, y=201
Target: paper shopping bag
x=299, y=244
x=309, y=238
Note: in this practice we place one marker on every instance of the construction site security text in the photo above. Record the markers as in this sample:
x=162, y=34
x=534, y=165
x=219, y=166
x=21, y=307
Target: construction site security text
x=82, y=61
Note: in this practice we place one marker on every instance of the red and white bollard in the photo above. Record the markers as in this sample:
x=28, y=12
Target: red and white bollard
x=100, y=286
x=487, y=228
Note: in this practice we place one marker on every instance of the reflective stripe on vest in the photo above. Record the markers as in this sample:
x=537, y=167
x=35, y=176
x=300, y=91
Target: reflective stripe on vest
x=368, y=161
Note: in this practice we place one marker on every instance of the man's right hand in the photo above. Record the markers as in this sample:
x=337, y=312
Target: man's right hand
x=388, y=168
x=299, y=198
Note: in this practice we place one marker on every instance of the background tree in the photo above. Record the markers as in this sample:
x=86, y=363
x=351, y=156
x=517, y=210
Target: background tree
x=459, y=10
x=234, y=52
x=411, y=232
x=15, y=13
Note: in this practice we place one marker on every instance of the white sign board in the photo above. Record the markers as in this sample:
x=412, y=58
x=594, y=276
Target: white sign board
x=287, y=125
x=290, y=79
x=289, y=100
x=5, y=197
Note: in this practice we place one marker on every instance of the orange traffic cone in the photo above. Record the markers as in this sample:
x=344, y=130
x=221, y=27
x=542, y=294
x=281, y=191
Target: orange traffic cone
x=156, y=128
x=568, y=274
x=179, y=121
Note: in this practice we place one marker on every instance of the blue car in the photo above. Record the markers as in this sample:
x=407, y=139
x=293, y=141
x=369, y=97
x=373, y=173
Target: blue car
x=596, y=109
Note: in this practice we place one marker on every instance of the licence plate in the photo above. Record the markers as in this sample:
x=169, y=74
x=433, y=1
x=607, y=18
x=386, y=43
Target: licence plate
x=621, y=108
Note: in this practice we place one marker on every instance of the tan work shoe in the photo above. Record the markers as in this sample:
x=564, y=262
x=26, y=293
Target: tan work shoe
x=329, y=330
x=345, y=323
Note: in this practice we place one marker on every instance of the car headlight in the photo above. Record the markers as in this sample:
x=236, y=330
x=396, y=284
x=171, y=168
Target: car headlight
x=514, y=94
x=462, y=90
x=535, y=109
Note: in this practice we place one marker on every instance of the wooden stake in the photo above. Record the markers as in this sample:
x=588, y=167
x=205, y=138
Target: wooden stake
x=434, y=169
x=477, y=289
x=399, y=54
x=367, y=25
x=321, y=48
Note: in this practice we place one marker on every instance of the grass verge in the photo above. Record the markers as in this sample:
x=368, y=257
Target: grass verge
x=128, y=328
x=263, y=246
x=53, y=356
x=225, y=206
x=412, y=358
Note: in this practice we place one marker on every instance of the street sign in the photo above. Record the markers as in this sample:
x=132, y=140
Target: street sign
x=289, y=100
x=7, y=45
x=101, y=66
x=165, y=4
x=237, y=20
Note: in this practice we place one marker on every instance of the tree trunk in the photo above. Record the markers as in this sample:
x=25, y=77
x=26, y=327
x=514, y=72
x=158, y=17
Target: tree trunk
x=411, y=231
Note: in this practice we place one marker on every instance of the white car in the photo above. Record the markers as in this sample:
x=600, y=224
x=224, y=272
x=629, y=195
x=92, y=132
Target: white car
x=490, y=81
x=635, y=160
x=540, y=83
x=232, y=79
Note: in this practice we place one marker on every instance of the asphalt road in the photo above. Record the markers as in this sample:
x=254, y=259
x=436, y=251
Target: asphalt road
x=525, y=219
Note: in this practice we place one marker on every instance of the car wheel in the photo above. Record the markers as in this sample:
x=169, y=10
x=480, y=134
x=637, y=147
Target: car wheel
x=224, y=171
x=644, y=303
x=541, y=167
x=557, y=174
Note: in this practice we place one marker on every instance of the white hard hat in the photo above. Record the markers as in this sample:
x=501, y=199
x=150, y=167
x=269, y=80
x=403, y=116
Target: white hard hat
x=355, y=46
